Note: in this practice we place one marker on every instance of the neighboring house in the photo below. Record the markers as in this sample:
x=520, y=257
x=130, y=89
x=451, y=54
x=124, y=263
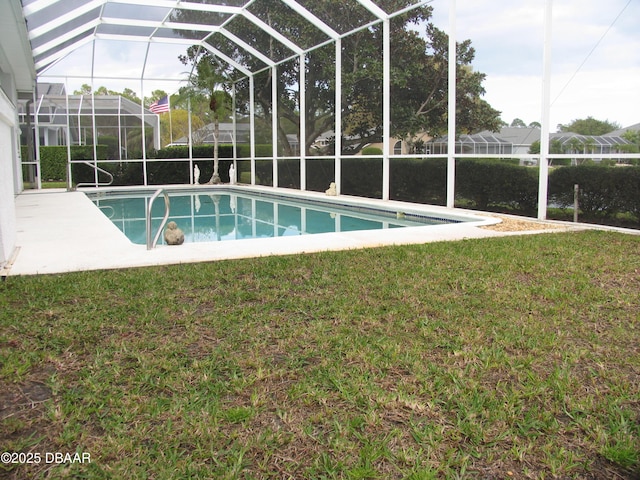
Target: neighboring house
x=417, y=144
x=116, y=117
x=588, y=144
x=622, y=131
x=517, y=141
x=483, y=143
x=227, y=134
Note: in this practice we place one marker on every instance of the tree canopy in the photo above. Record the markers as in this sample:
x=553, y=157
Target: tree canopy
x=419, y=78
x=589, y=126
x=128, y=93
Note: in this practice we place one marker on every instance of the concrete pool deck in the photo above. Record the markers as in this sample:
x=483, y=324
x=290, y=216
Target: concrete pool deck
x=60, y=231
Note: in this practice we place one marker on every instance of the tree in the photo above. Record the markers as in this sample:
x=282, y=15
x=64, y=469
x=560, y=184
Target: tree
x=209, y=81
x=419, y=78
x=519, y=123
x=179, y=125
x=85, y=89
x=589, y=126
x=155, y=96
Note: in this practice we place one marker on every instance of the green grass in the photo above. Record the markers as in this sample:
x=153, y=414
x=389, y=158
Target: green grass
x=515, y=357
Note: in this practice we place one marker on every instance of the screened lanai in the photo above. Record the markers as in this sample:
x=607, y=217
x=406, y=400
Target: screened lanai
x=252, y=41
x=479, y=143
x=290, y=67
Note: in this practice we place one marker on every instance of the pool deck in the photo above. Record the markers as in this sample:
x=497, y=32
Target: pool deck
x=60, y=231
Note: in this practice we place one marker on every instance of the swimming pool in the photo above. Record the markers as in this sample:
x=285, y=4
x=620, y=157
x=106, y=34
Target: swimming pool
x=223, y=214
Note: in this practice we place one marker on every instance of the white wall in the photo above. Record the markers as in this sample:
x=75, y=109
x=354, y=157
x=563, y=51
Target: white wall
x=8, y=156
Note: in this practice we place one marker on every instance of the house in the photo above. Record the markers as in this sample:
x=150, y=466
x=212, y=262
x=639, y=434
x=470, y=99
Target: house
x=63, y=119
x=17, y=80
x=518, y=141
x=483, y=143
x=227, y=133
x=416, y=144
x=622, y=131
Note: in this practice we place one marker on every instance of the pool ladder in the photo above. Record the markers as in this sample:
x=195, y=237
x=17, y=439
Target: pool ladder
x=97, y=183
x=151, y=243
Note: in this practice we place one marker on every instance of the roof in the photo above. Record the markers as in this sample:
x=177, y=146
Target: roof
x=58, y=28
x=622, y=131
x=482, y=137
x=226, y=134
x=601, y=140
x=518, y=135
x=15, y=54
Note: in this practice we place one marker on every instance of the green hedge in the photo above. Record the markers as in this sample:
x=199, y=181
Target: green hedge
x=53, y=159
x=603, y=191
x=496, y=185
x=485, y=184
x=419, y=180
x=371, y=151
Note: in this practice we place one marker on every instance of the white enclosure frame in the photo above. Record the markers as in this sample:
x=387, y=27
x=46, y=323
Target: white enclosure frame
x=67, y=36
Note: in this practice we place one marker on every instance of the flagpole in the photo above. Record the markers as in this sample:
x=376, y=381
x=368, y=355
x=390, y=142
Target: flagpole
x=170, y=124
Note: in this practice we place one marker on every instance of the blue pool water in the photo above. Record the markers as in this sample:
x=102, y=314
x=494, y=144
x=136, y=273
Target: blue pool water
x=206, y=216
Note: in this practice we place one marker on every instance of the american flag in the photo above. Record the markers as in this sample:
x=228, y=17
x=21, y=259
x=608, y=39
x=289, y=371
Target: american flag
x=161, y=105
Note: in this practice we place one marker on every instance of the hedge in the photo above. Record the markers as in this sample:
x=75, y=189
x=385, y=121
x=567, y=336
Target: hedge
x=603, y=191
x=485, y=184
x=53, y=159
x=494, y=183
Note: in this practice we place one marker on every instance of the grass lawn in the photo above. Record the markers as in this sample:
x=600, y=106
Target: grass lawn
x=516, y=357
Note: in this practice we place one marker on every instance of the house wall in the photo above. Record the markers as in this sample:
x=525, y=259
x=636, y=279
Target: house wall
x=17, y=77
x=8, y=178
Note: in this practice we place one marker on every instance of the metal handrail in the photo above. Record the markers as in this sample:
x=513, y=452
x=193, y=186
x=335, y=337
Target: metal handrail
x=97, y=184
x=167, y=207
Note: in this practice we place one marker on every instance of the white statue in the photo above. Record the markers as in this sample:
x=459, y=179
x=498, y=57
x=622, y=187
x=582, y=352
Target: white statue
x=173, y=235
x=232, y=175
x=196, y=175
x=331, y=191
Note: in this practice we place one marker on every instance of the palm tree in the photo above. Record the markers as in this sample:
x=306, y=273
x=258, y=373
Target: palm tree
x=209, y=81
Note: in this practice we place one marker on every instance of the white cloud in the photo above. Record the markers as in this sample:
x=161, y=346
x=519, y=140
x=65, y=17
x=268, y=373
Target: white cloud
x=595, y=56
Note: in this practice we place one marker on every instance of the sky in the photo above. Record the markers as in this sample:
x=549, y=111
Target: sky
x=595, y=58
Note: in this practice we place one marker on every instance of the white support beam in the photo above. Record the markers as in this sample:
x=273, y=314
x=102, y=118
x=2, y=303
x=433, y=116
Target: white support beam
x=274, y=33
x=62, y=19
x=38, y=5
x=451, y=147
x=274, y=124
x=252, y=127
x=302, y=92
x=373, y=8
x=227, y=59
x=52, y=44
x=543, y=180
x=338, y=120
x=244, y=45
x=311, y=18
x=386, y=107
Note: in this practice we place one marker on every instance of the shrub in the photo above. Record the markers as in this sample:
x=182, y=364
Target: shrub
x=362, y=176
x=604, y=191
x=53, y=160
x=371, y=151
x=493, y=183
x=419, y=180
